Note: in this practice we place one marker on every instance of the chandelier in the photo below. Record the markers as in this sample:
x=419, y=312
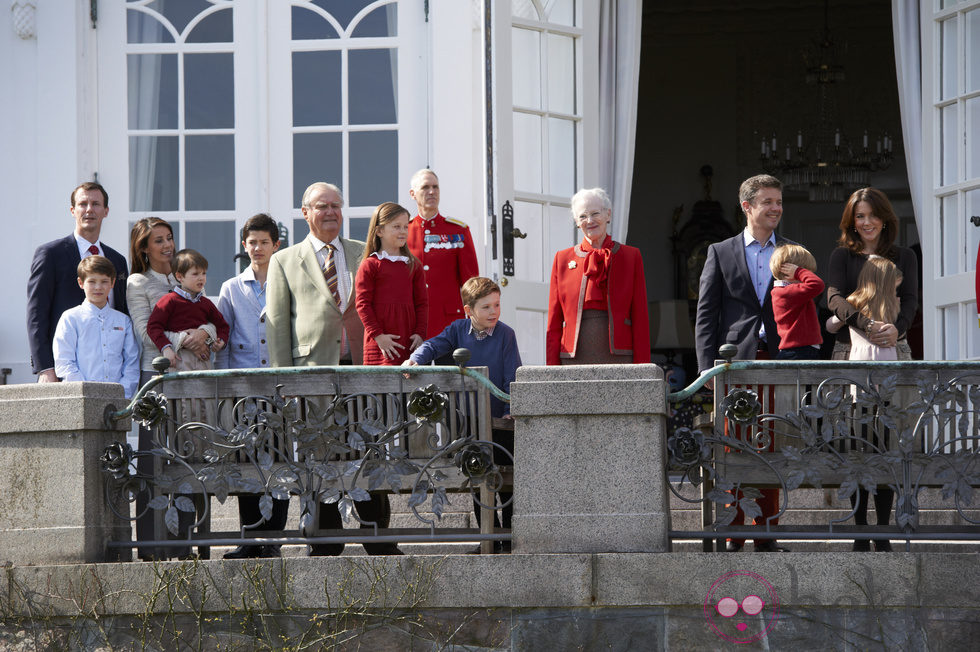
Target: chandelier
x=824, y=162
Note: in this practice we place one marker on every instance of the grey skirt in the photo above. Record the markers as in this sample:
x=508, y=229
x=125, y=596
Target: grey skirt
x=593, y=341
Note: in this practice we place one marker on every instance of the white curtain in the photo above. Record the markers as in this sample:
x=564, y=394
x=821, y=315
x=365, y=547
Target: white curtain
x=908, y=59
x=620, y=23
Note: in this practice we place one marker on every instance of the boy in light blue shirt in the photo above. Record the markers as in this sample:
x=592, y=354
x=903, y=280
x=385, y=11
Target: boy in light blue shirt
x=242, y=304
x=93, y=341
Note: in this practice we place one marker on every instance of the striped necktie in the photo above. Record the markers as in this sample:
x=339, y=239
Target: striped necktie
x=330, y=274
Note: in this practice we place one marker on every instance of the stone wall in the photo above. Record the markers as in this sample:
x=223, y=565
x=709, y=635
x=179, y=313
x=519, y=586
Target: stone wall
x=629, y=601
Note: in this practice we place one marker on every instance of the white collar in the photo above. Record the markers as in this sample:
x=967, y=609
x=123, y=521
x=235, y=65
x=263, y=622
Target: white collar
x=384, y=255
x=319, y=244
x=84, y=244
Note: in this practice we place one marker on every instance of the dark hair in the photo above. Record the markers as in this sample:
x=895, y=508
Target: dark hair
x=382, y=215
x=91, y=185
x=476, y=288
x=187, y=259
x=139, y=238
x=261, y=222
x=880, y=208
x=96, y=265
x=751, y=186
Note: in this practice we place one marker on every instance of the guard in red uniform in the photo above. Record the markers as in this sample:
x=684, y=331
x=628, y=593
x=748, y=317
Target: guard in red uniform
x=445, y=247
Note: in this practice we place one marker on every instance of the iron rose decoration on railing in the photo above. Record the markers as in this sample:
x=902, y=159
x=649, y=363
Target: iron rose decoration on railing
x=427, y=403
x=741, y=405
x=151, y=409
x=687, y=447
x=475, y=460
x=116, y=459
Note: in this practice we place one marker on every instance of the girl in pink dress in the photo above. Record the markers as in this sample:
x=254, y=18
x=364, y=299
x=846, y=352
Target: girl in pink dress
x=392, y=301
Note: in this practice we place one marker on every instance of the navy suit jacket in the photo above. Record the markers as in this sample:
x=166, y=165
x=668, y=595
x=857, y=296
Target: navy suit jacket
x=728, y=308
x=53, y=288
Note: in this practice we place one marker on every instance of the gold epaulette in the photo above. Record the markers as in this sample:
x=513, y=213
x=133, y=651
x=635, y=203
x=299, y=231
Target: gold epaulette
x=457, y=222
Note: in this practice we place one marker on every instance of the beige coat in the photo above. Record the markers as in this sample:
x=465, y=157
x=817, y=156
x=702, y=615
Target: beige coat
x=303, y=322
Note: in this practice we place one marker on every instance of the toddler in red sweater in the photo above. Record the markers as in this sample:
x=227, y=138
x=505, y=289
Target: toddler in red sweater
x=184, y=308
x=793, y=292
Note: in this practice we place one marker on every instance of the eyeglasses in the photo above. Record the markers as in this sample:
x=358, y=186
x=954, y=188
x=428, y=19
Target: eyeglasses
x=319, y=208
x=751, y=605
x=594, y=215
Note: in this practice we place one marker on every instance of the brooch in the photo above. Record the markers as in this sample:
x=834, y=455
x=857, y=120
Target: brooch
x=572, y=264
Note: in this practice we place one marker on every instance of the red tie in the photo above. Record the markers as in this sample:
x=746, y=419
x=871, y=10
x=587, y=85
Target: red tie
x=93, y=250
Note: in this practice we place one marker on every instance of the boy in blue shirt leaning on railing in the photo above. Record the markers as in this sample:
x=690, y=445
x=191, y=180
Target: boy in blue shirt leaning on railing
x=492, y=344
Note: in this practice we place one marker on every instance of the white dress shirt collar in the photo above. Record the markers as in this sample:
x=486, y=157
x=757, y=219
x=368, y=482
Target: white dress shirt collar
x=83, y=246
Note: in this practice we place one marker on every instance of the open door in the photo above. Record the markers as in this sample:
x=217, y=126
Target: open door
x=543, y=135
x=951, y=147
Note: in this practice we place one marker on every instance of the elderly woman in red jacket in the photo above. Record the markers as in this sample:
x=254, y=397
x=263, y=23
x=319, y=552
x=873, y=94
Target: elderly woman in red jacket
x=597, y=310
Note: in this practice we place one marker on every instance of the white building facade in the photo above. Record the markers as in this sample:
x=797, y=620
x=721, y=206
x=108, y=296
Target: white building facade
x=205, y=112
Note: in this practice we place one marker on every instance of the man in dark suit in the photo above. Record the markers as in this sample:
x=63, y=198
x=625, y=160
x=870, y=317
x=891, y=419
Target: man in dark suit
x=735, y=303
x=308, y=323
x=53, y=286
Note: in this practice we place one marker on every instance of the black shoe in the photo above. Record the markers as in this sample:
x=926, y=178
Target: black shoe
x=883, y=546
x=731, y=546
x=861, y=545
x=244, y=552
x=327, y=550
x=499, y=547
x=769, y=546
x=383, y=549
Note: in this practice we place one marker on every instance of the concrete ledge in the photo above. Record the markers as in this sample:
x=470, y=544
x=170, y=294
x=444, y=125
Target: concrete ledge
x=802, y=580
x=588, y=390
x=45, y=407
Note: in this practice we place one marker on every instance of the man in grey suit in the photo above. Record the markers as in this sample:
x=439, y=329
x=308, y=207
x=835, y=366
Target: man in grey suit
x=311, y=320
x=735, y=303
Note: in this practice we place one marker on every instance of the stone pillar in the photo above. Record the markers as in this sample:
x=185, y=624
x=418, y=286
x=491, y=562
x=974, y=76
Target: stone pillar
x=52, y=493
x=589, y=459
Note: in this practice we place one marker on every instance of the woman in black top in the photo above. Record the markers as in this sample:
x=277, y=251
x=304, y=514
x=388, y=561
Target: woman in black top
x=869, y=226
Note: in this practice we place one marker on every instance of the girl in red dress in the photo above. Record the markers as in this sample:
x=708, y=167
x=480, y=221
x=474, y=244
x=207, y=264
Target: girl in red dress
x=392, y=301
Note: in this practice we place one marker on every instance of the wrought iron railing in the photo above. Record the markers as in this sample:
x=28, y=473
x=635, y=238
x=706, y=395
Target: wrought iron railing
x=911, y=426
x=327, y=435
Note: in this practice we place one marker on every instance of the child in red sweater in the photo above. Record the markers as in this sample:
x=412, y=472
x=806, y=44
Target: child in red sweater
x=793, y=292
x=184, y=308
x=392, y=301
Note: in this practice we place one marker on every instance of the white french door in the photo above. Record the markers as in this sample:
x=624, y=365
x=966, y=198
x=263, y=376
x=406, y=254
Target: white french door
x=545, y=68
x=215, y=110
x=951, y=147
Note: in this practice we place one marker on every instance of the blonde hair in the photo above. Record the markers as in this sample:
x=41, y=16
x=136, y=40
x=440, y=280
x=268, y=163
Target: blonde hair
x=382, y=216
x=876, y=296
x=793, y=254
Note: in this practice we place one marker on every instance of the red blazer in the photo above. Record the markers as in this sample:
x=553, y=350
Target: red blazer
x=629, y=322
x=445, y=248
